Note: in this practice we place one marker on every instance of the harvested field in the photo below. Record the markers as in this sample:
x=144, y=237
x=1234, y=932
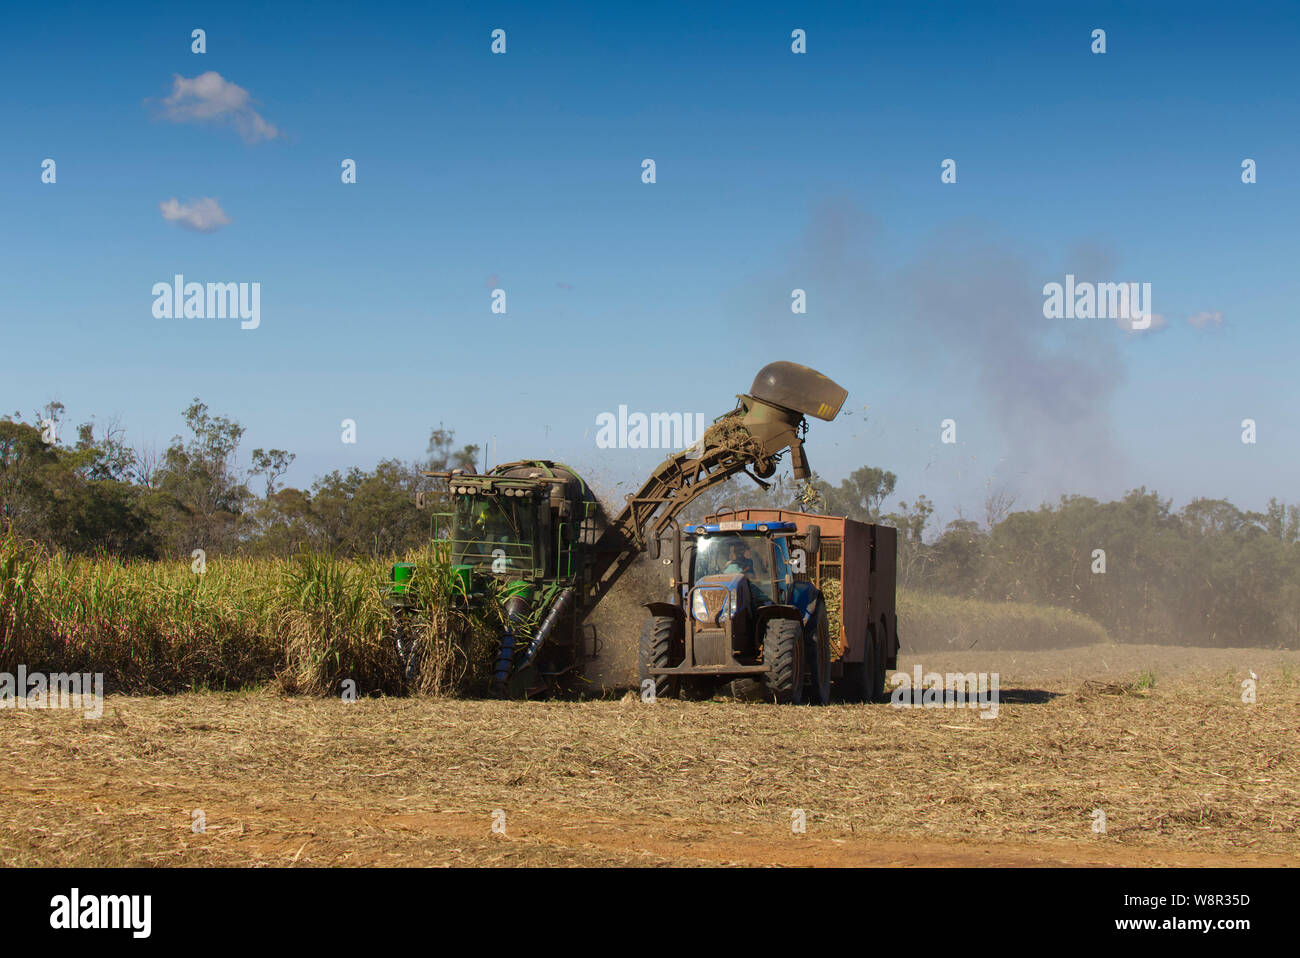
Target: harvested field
x=1158, y=739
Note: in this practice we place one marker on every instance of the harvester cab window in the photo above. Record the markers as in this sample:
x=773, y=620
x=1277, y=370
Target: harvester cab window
x=488, y=525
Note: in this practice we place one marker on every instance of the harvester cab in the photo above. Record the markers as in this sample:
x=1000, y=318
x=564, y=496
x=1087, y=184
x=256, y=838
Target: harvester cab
x=519, y=536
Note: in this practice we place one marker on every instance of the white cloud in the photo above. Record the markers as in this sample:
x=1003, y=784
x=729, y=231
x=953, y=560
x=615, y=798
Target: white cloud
x=203, y=215
x=211, y=98
x=1158, y=322
x=1203, y=319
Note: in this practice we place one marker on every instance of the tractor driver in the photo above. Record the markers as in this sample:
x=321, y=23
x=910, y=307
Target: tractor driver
x=486, y=540
x=738, y=559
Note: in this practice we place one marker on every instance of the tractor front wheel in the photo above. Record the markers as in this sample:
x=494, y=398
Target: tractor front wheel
x=783, y=651
x=656, y=652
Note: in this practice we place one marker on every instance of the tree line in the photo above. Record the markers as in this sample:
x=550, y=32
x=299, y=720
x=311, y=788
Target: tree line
x=1206, y=574
x=99, y=494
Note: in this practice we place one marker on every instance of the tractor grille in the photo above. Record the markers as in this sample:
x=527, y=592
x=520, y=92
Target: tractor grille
x=712, y=647
x=714, y=601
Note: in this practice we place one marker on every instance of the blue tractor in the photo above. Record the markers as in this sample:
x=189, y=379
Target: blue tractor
x=738, y=611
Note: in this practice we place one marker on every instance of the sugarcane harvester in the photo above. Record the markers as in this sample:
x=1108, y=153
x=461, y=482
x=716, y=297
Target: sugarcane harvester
x=531, y=536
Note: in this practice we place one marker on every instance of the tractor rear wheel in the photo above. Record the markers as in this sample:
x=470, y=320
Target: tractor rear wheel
x=783, y=651
x=656, y=652
x=818, y=657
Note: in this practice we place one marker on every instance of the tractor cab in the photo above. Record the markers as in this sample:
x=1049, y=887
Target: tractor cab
x=751, y=559
x=522, y=522
x=735, y=570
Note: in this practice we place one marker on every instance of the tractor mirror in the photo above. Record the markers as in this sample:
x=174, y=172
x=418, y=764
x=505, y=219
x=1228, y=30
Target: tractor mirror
x=812, y=540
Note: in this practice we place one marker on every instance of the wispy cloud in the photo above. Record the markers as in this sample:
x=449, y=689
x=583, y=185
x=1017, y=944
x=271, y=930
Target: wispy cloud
x=1158, y=322
x=210, y=98
x=1205, y=320
x=203, y=215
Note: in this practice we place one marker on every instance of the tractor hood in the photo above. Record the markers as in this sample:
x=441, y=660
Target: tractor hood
x=732, y=584
x=717, y=597
x=721, y=580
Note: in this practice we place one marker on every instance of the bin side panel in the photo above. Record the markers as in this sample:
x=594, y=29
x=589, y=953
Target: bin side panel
x=856, y=587
x=883, y=585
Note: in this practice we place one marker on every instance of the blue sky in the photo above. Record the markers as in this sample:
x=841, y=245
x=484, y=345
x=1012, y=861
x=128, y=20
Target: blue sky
x=774, y=171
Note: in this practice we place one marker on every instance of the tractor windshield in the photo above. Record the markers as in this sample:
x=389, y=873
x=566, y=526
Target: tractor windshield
x=750, y=556
x=494, y=531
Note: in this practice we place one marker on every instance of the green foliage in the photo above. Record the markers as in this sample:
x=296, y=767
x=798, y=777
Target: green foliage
x=58, y=495
x=101, y=495
x=861, y=496
x=148, y=626
x=457, y=640
x=335, y=624
x=1209, y=574
x=367, y=512
x=199, y=498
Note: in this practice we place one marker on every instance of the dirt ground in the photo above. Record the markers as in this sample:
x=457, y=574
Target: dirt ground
x=1184, y=772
